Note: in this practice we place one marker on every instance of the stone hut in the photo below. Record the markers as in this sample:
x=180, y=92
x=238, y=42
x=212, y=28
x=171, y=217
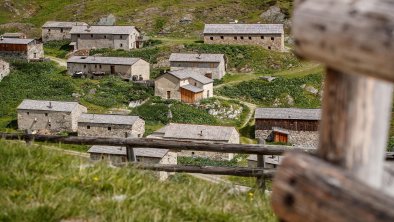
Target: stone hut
x=270, y=161
x=298, y=127
x=269, y=36
x=25, y=49
x=184, y=85
x=17, y=35
x=212, y=66
x=4, y=69
x=199, y=133
x=53, y=116
x=117, y=155
x=55, y=30
x=133, y=69
x=112, y=37
x=101, y=125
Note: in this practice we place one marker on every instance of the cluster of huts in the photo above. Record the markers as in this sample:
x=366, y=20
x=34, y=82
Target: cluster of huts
x=189, y=80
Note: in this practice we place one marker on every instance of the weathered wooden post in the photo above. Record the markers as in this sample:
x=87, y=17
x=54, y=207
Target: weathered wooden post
x=355, y=39
x=260, y=164
x=130, y=152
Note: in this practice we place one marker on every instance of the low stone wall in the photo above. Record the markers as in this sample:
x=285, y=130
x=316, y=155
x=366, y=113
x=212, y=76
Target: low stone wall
x=305, y=139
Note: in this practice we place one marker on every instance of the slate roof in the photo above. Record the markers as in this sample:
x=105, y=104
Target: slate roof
x=193, y=57
x=192, y=88
x=288, y=113
x=243, y=29
x=139, y=152
x=193, y=132
x=108, y=119
x=13, y=34
x=103, y=60
x=186, y=73
x=57, y=24
x=46, y=105
x=16, y=41
x=116, y=30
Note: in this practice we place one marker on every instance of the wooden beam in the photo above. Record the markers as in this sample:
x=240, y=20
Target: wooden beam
x=353, y=36
x=309, y=189
x=260, y=164
x=160, y=144
x=355, y=124
x=234, y=171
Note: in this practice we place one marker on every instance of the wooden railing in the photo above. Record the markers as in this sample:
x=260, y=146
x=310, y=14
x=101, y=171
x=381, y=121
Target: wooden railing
x=348, y=180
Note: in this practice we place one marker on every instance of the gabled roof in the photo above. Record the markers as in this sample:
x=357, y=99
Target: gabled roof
x=288, y=113
x=198, y=132
x=139, y=152
x=243, y=29
x=103, y=60
x=192, y=88
x=193, y=57
x=17, y=41
x=57, y=24
x=46, y=105
x=116, y=30
x=186, y=73
x=108, y=119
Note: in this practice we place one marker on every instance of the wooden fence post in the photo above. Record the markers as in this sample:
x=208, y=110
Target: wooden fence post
x=130, y=154
x=260, y=180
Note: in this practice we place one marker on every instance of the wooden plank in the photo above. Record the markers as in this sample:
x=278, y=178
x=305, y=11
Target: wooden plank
x=355, y=123
x=309, y=189
x=354, y=36
x=160, y=144
x=233, y=171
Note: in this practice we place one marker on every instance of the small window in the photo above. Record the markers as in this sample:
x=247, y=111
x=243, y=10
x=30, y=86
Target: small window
x=121, y=45
x=139, y=135
x=78, y=35
x=212, y=65
x=91, y=35
x=49, y=30
x=109, y=128
x=242, y=37
x=138, y=160
x=272, y=38
x=250, y=38
x=46, y=114
x=87, y=127
x=269, y=47
x=222, y=37
x=28, y=113
x=95, y=66
x=262, y=37
x=195, y=84
x=105, y=36
x=211, y=38
x=61, y=30
x=84, y=66
x=100, y=66
x=207, y=93
x=121, y=37
x=235, y=37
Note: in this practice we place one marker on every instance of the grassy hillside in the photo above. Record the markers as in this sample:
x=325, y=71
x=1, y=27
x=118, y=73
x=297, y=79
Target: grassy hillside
x=41, y=185
x=150, y=15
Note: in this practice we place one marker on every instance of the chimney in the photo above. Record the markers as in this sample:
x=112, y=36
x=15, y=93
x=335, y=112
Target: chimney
x=1, y=38
x=199, y=56
x=200, y=133
x=50, y=105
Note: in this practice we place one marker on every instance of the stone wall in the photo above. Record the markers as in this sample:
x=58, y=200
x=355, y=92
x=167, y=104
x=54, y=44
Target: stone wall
x=35, y=51
x=4, y=69
x=305, y=139
x=55, y=34
x=218, y=70
x=98, y=41
x=166, y=83
x=45, y=120
x=268, y=41
x=110, y=130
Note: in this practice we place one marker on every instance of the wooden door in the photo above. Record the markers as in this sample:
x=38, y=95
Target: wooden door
x=112, y=69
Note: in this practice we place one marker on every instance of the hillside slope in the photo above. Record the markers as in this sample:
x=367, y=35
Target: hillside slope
x=41, y=185
x=151, y=16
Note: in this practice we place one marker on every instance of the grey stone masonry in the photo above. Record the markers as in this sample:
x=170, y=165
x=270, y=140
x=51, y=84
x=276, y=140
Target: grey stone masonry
x=304, y=139
x=53, y=116
x=4, y=69
x=269, y=36
x=25, y=49
x=54, y=30
x=112, y=37
x=101, y=125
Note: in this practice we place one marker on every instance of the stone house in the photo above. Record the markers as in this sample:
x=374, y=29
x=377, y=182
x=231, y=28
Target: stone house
x=199, y=133
x=298, y=127
x=4, y=69
x=270, y=161
x=118, y=155
x=269, y=36
x=184, y=85
x=212, y=66
x=53, y=116
x=18, y=35
x=25, y=49
x=112, y=37
x=104, y=125
x=55, y=30
x=92, y=66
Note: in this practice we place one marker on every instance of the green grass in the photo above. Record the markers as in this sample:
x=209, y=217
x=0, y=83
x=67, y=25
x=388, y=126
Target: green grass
x=57, y=49
x=41, y=185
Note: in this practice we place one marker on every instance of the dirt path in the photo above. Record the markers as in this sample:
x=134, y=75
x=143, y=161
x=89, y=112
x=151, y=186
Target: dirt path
x=252, y=107
x=219, y=180
x=60, y=62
